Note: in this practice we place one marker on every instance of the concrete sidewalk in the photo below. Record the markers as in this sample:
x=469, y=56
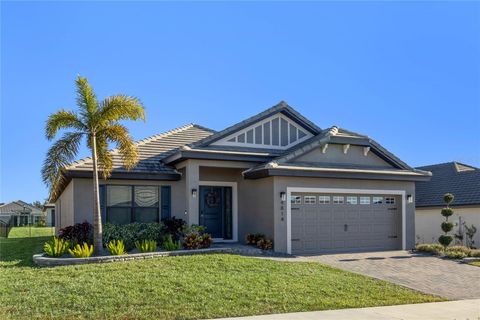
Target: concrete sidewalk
x=450, y=310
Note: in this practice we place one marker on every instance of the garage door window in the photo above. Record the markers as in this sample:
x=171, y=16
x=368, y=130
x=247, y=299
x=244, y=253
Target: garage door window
x=377, y=200
x=389, y=200
x=364, y=200
x=310, y=199
x=296, y=200
x=338, y=200
x=324, y=199
x=352, y=200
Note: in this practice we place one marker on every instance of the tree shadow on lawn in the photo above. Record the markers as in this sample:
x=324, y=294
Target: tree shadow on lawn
x=20, y=250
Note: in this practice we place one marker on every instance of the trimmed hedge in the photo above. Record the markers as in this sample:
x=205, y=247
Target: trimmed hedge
x=133, y=232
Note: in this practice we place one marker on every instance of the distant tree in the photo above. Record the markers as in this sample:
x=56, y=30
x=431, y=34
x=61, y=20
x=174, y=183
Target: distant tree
x=37, y=204
x=447, y=226
x=98, y=122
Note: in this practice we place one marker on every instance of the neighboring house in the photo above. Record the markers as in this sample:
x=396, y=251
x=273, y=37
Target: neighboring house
x=463, y=181
x=49, y=211
x=19, y=213
x=276, y=173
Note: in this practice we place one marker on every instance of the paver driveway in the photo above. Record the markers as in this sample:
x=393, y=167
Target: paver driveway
x=425, y=273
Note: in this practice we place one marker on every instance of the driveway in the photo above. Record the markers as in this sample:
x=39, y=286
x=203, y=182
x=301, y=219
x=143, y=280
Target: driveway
x=425, y=273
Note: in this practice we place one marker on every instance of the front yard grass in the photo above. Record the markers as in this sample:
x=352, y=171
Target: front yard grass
x=188, y=287
x=25, y=232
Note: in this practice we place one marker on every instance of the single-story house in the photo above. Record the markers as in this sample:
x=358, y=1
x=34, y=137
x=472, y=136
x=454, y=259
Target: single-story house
x=19, y=213
x=463, y=181
x=309, y=189
x=49, y=210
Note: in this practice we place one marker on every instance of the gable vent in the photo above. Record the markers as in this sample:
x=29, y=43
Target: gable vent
x=275, y=132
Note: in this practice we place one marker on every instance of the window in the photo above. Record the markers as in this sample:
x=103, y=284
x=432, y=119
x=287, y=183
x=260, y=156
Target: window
x=377, y=200
x=324, y=199
x=310, y=199
x=364, y=200
x=296, y=200
x=127, y=204
x=389, y=200
x=338, y=200
x=352, y=200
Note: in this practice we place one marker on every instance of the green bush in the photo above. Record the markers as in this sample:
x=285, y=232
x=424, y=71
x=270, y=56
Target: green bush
x=56, y=247
x=455, y=254
x=448, y=198
x=447, y=212
x=133, y=232
x=116, y=247
x=445, y=240
x=146, y=245
x=458, y=249
x=434, y=248
x=475, y=253
x=81, y=251
x=447, y=226
x=169, y=244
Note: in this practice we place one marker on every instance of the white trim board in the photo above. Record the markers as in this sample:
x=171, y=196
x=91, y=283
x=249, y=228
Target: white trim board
x=345, y=191
x=233, y=185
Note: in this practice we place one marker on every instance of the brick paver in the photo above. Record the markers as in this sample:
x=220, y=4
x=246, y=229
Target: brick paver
x=425, y=273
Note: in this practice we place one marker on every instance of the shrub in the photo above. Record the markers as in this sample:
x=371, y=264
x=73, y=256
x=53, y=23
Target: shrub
x=446, y=212
x=81, y=251
x=56, y=247
x=78, y=233
x=458, y=249
x=133, y=232
x=169, y=244
x=475, y=253
x=445, y=240
x=41, y=222
x=448, y=198
x=470, y=233
x=447, y=226
x=455, y=254
x=146, y=245
x=265, y=244
x=195, y=237
x=253, y=238
x=434, y=248
x=116, y=247
x=174, y=227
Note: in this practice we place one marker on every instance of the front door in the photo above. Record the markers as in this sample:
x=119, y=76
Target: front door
x=215, y=211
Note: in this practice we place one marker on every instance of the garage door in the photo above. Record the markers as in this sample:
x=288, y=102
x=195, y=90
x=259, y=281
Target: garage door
x=323, y=223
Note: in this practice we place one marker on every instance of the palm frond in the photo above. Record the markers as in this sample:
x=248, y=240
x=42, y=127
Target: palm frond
x=119, y=135
x=86, y=98
x=60, y=155
x=121, y=107
x=62, y=120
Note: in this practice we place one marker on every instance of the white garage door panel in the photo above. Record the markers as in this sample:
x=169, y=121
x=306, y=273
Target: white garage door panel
x=319, y=227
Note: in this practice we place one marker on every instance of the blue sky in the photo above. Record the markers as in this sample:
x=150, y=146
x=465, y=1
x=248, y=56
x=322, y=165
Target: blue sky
x=405, y=73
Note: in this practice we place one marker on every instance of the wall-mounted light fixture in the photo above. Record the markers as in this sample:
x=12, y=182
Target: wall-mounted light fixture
x=409, y=198
x=283, y=196
x=194, y=193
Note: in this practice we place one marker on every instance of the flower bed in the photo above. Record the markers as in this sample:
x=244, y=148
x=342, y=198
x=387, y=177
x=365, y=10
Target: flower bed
x=454, y=252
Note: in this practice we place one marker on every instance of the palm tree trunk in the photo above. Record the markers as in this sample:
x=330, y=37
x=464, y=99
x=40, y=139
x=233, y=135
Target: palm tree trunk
x=97, y=217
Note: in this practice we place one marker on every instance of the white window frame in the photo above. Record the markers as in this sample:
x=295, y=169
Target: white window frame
x=324, y=199
x=311, y=199
x=402, y=193
x=336, y=199
x=350, y=198
x=363, y=202
x=377, y=200
x=298, y=199
x=389, y=200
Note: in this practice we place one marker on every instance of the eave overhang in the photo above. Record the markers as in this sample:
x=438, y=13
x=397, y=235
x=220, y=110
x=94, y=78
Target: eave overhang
x=338, y=173
x=259, y=157
x=167, y=176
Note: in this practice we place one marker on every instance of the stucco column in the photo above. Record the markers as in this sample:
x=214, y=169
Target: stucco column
x=192, y=177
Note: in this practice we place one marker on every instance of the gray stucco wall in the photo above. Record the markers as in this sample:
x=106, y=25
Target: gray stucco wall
x=281, y=184
x=64, y=208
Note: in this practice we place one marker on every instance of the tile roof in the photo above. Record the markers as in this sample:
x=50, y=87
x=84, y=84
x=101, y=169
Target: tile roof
x=463, y=181
x=16, y=207
x=152, y=150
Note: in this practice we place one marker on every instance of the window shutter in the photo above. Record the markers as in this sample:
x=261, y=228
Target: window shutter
x=166, y=202
x=103, y=201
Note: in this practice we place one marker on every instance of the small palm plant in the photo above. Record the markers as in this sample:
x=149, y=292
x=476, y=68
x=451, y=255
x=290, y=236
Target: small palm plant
x=116, y=247
x=81, y=251
x=56, y=247
x=98, y=122
x=146, y=245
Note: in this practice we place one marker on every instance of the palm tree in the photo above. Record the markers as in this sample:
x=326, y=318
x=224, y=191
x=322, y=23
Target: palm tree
x=98, y=122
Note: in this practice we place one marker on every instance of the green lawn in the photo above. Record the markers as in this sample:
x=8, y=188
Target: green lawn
x=24, y=232
x=189, y=287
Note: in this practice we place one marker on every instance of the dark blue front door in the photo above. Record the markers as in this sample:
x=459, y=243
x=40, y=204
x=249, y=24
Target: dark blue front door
x=212, y=208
